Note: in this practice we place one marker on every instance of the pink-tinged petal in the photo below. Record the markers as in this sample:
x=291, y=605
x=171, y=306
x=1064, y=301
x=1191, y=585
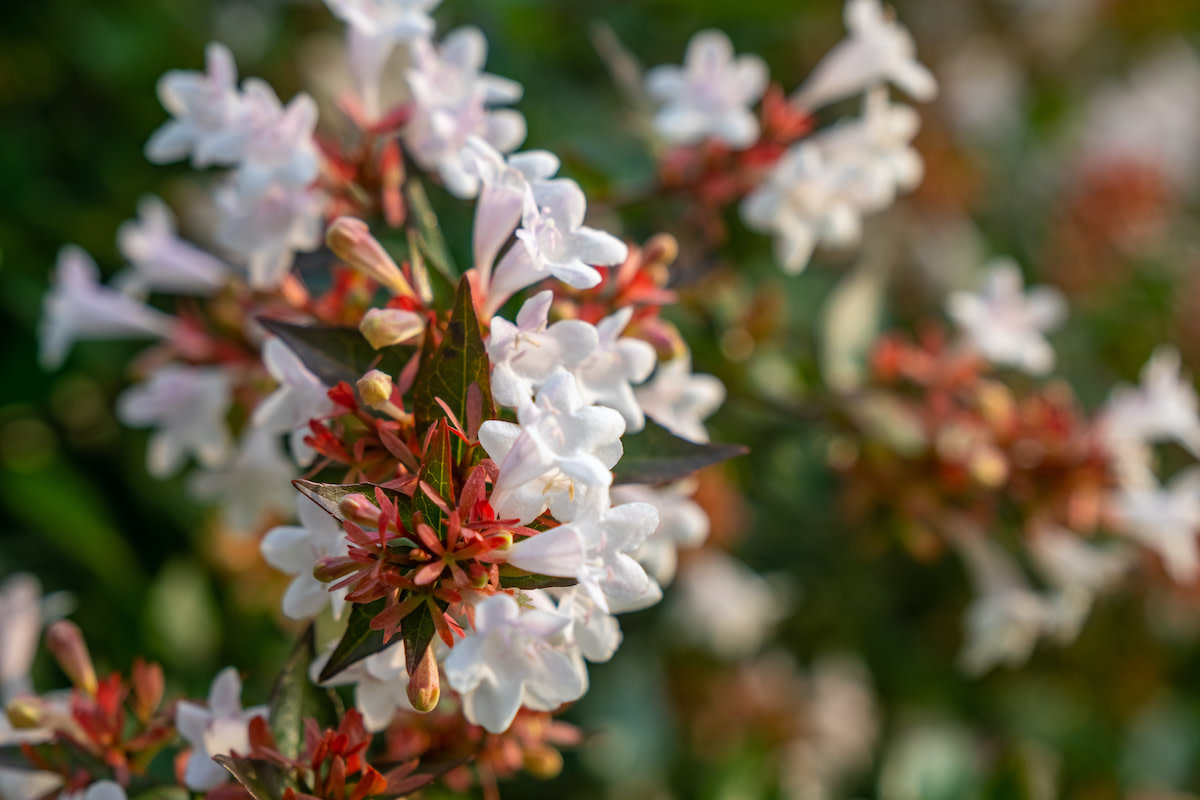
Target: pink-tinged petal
x=559, y=551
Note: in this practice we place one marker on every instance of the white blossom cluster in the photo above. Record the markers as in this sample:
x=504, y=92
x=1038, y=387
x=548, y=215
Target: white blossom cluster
x=819, y=191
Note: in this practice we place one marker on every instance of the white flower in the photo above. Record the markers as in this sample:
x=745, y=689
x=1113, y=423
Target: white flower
x=380, y=685
x=79, y=307
x=20, y=629
x=163, y=262
x=680, y=400
x=374, y=28
x=723, y=605
x=560, y=450
x=266, y=232
x=300, y=397
x=1166, y=520
x=256, y=481
x=187, y=406
x=594, y=549
x=100, y=790
x=873, y=153
x=206, y=108
x=1006, y=325
x=803, y=202
x=1163, y=407
x=1006, y=617
x=554, y=241
x=526, y=355
x=711, y=95
x=26, y=784
x=1153, y=120
x=278, y=145
x=681, y=523
x=509, y=661
x=295, y=550
x=607, y=375
x=450, y=99
x=221, y=729
x=593, y=631
x=504, y=184
x=877, y=50
x=1080, y=571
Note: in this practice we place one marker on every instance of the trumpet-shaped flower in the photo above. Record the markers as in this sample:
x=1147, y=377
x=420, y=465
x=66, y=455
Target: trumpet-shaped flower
x=161, y=260
x=561, y=449
x=681, y=523
x=451, y=96
x=681, y=400
x=711, y=95
x=594, y=549
x=277, y=145
x=256, y=481
x=526, y=355
x=295, y=550
x=803, y=203
x=593, y=631
x=1163, y=407
x=206, y=109
x=265, y=232
x=504, y=183
x=553, y=241
x=878, y=50
x=1007, y=325
x=512, y=658
x=607, y=375
x=78, y=306
x=221, y=729
x=722, y=604
x=1166, y=520
x=187, y=406
x=874, y=152
x=300, y=397
x=374, y=28
x=380, y=684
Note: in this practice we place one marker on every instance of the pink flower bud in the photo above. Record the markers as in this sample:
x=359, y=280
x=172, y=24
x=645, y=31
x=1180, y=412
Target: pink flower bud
x=383, y=327
x=359, y=509
x=424, y=687
x=351, y=240
x=65, y=641
x=147, y=688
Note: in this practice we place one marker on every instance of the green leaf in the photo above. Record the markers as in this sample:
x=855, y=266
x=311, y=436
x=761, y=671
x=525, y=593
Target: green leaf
x=296, y=698
x=655, y=455
x=12, y=757
x=336, y=354
x=513, y=578
x=437, y=472
x=163, y=793
x=262, y=779
x=426, y=233
x=459, y=361
x=329, y=495
x=359, y=641
x=418, y=631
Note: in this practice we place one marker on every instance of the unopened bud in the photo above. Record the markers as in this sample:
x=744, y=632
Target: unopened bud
x=988, y=467
x=147, y=688
x=424, y=687
x=25, y=713
x=543, y=762
x=359, y=509
x=662, y=249
x=332, y=568
x=376, y=388
x=350, y=239
x=65, y=641
x=387, y=326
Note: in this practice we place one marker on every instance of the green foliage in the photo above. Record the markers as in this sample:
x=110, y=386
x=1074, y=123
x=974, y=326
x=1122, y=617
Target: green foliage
x=459, y=362
x=337, y=354
x=655, y=455
x=296, y=698
x=262, y=779
x=359, y=641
